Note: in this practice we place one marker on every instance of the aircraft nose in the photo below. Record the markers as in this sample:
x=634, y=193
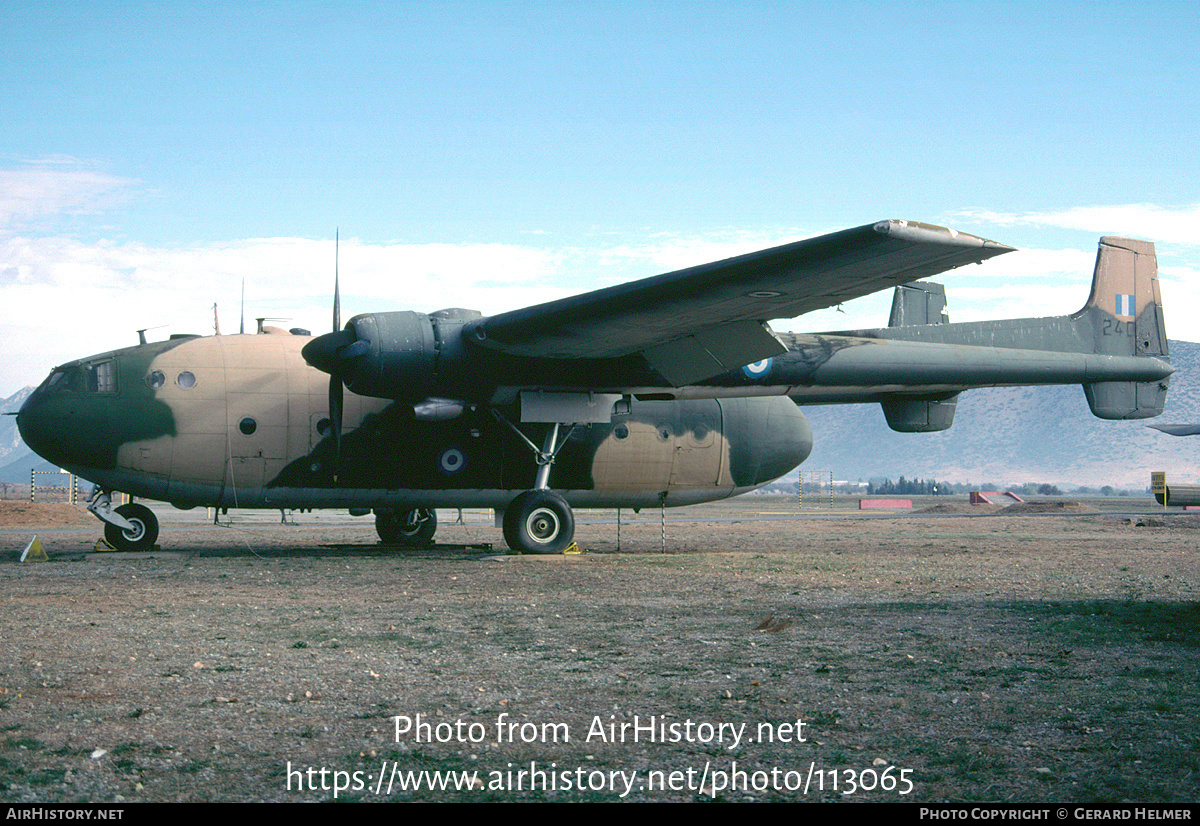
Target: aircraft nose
x=40, y=426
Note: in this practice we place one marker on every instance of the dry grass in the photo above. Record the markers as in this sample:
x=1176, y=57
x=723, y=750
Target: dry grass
x=1000, y=658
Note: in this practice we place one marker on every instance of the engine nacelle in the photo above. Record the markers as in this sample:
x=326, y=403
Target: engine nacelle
x=399, y=358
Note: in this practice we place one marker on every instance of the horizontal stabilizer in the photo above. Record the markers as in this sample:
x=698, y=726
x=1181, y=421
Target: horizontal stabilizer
x=1115, y=346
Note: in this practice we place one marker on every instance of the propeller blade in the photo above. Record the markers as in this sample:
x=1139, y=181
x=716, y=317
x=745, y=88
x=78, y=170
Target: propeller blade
x=353, y=351
x=328, y=352
x=335, y=421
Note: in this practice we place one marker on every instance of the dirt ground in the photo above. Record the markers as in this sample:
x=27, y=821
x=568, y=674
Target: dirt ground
x=1048, y=655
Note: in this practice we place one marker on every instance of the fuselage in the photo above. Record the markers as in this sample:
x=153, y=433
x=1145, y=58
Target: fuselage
x=242, y=421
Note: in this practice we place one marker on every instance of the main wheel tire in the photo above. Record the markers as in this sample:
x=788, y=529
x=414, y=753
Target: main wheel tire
x=413, y=528
x=539, y=522
x=143, y=534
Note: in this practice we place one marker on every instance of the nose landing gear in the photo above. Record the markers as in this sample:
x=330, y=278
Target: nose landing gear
x=130, y=527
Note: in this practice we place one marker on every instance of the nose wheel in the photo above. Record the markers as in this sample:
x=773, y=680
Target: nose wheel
x=142, y=533
x=130, y=527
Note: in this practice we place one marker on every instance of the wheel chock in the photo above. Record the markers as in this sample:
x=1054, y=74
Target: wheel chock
x=34, y=552
x=102, y=546
x=570, y=549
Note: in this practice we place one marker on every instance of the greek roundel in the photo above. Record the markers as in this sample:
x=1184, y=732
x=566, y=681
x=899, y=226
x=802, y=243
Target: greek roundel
x=451, y=461
x=758, y=369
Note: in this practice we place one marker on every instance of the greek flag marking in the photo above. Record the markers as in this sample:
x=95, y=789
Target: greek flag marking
x=1124, y=305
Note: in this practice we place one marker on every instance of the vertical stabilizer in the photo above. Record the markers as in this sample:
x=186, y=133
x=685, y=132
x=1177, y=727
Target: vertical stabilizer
x=1125, y=300
x=919, y=303
x=1125, y=318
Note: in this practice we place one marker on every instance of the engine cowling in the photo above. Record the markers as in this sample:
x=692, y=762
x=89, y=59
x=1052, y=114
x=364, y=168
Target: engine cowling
x=386, y=355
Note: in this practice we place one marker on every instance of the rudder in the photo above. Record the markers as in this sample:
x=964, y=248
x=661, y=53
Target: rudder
x=1125, y=316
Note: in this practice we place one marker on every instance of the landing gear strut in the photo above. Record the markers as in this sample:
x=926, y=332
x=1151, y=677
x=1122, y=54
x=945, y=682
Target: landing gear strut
x=413, y=528
x=539, y=521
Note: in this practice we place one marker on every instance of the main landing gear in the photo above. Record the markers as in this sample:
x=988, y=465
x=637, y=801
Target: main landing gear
x=130, y=527
x=413, y=528
x=539, y=521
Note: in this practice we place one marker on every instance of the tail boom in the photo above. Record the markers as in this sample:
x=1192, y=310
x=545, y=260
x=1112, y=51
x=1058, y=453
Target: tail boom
x=1115, y=346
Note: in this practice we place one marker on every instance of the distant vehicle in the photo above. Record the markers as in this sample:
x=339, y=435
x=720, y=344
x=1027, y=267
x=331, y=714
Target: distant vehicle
x=666, y=391
x=1164, y=494
x=1178, y=495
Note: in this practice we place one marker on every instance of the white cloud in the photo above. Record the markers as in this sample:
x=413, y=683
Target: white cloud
x=56, y=186
x=667, y=253
x=1176, y=225
x=61, y=299
x=1035, y=264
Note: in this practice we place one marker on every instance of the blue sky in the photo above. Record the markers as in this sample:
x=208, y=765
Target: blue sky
x=497, y=154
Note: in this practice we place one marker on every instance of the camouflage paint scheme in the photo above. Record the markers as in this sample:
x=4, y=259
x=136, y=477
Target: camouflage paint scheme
x=186, y=444
x=243, y=421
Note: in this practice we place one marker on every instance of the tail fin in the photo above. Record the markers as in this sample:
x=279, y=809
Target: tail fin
x=1125, y=317
x=919, y=303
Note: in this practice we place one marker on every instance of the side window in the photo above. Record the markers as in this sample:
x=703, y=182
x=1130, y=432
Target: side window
x=102, y=377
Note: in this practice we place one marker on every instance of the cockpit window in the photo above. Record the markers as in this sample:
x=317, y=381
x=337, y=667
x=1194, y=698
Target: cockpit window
x=102, y=377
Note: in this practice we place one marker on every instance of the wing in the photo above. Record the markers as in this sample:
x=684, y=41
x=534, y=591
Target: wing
x=705, y=320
